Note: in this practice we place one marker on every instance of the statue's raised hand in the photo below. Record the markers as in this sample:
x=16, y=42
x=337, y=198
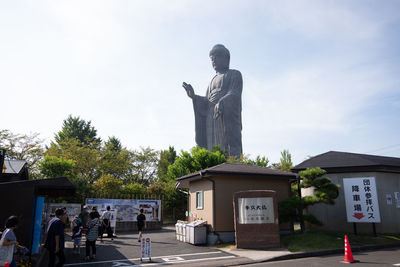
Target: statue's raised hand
x=189, y=89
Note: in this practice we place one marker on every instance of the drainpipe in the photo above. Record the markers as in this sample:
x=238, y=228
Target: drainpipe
x=214, y=204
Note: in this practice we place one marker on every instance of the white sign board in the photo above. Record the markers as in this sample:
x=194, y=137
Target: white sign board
x=145, y=248
x=256, y=210
x=361, y=200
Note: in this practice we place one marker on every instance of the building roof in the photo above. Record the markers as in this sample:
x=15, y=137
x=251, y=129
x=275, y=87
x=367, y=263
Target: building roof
x=334, y=161
x=59, y=186
x=236, y=169
x=14, y=166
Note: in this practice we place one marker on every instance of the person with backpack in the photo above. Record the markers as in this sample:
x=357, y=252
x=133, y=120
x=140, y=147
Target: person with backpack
x=77, y=228
x=91, y=236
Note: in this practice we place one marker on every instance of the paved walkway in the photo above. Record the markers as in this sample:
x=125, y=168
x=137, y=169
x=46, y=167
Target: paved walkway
x=124, y=251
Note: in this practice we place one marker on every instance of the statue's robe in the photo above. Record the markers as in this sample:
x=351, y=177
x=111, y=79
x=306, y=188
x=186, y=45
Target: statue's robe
x=225, y=130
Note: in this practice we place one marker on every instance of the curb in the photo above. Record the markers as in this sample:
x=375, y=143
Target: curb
x=299, y=255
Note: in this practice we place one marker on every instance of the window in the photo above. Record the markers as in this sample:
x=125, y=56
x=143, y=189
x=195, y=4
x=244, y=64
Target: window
x=199, y=200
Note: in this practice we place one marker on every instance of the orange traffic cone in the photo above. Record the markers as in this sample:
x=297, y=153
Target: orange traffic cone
x=348, y=255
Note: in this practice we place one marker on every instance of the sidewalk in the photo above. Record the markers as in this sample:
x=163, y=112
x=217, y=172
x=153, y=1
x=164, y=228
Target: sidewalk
x=164, y=244
x=278, y=254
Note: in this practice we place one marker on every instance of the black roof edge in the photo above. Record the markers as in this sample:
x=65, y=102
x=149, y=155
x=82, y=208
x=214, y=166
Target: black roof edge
x=208, y=173
x=380, y=168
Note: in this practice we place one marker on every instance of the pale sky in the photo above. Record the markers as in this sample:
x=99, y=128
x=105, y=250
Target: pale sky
x=317, y=75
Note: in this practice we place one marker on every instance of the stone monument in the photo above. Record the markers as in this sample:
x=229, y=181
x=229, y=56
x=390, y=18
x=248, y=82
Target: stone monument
x=256, y=219
x=218, y=115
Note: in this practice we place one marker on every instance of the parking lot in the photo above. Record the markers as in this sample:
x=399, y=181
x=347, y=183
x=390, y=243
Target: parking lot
x=165, y=250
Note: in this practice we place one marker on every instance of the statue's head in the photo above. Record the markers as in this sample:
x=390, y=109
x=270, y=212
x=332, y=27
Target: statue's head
x=220, y=57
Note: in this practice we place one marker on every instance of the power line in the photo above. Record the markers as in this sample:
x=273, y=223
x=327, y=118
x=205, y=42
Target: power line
x=383, y=148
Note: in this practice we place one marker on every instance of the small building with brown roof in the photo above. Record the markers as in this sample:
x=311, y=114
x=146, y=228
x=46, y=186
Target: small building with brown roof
x=211, y=193
x=342, y=165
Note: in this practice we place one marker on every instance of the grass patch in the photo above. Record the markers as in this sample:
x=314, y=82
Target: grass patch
x=318, y=240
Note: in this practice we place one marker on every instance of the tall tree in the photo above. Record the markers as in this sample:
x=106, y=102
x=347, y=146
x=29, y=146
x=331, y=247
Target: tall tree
x=86, y=158
x=23, y=147
x=115, y=160
x=108, y=185
x=198, y=159
x=79, y=129
x=167, y=158
x=144, y=164
x=285, y=163
x=52, y=166
x=259, y=161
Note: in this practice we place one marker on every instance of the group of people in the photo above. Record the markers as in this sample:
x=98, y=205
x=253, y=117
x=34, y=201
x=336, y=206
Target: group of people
x=94, y=226
x=88, y=223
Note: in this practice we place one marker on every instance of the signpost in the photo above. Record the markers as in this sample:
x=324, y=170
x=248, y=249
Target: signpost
x=145, y=248
x=361, y=198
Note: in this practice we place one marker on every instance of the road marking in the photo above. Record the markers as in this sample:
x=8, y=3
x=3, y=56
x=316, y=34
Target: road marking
x=173, y=262
x=136, y=259
x=396, y=264
x=173, y=259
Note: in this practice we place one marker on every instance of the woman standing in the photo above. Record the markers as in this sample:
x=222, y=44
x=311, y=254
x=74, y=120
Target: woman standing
x=9, y=238
x=91, y=236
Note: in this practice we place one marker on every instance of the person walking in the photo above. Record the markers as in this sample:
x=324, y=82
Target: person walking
x=106, y=223
x=141, y=222
x=55, y=238
x=8, y=237
x=91, y=236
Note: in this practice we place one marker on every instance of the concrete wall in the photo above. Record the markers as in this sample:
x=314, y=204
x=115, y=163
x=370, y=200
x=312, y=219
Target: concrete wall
x=335, y=218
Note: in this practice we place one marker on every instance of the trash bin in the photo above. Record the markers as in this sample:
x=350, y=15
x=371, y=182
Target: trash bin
x=179, y=230
x=196, y=232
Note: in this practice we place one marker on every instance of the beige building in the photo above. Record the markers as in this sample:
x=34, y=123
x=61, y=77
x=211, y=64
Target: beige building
x=211, y=193
x=344, y=165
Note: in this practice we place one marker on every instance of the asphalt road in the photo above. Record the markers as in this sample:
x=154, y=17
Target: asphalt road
x=385, y=257
x=124, y=251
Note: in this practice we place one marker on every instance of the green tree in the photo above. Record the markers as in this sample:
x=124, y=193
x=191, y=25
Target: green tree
x=285, y=163
x=115, y=160
x=259, y=161
x=23, y=147
x=133, y=189
x=198, y=159
x=79, y=129
x=324, y=191
x=167, y=158
x=86, y=158
x=52, y=166
x=144, y=166
x=108, y=185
